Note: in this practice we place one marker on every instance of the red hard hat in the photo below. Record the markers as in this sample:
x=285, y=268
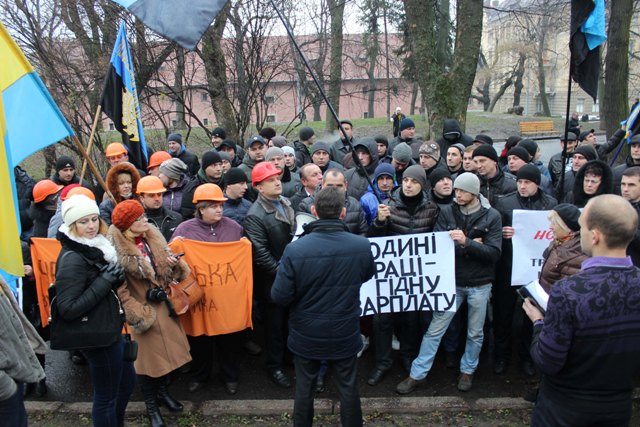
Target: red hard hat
x=45, y=188
x=262, y=171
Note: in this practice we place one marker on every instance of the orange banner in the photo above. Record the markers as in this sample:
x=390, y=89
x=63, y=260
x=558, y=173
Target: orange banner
x=44, y=254
x=224, y=270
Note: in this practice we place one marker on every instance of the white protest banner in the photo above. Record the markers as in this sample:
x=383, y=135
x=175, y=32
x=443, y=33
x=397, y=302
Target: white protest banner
x=530, y=238
x=413, y=272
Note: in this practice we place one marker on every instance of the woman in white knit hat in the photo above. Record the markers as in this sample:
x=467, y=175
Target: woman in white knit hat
x=87, y=274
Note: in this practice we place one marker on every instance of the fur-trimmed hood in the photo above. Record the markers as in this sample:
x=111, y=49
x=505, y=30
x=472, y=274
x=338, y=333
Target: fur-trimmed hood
x=138, y=267
x=112, y=179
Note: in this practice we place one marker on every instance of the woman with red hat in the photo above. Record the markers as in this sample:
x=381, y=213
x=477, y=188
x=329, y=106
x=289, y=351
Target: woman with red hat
x=149, y=268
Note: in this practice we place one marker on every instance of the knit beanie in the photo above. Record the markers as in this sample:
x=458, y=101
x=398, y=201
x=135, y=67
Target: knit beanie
x=175, y=137
x=570, y=214
x=173, y=169
x=319, y=146
x=437, y=174
x=431, y=149
x=416, y=172
x=209, y=158
x=227, y=143
x=529, y=172
x=521, y=153
x=486, y=151
x=224, y=156
x=459, y=146
x=514, y=140
x=77, y=207
x=64, y=162
x=402, y=153
x=267, y=133
x=125, y=214
x=306, y=133
x=287, y=149
x=234, y=176
x=384, y=169
x=587, y=151
x=530, y=145
x=279, y=141
x=468, y=182
x=273, y=152
x=219, y=132
x=406, y=123
x=381, y=139
x=570, y=136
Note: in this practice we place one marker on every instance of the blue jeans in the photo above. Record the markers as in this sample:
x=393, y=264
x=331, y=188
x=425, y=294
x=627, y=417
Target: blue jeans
x=12, y=411
x=477, y=298
x=113, y=382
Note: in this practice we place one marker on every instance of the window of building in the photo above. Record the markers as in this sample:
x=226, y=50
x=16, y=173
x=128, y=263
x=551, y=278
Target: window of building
x=596, y=106
x=580, y=105
x=365, y=114
x=271, y=118
x=204, y=96
x=112, y=126
x=174, y=123
x=205, y=121
x=269, y=99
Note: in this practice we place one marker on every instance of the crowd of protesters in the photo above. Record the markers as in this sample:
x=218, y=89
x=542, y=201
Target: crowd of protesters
x=458, y=184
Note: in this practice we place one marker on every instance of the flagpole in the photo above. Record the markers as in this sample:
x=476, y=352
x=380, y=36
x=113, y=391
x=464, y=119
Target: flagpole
x=93, y=168
x=93, y=132
x=356, y=160
x=560, y=189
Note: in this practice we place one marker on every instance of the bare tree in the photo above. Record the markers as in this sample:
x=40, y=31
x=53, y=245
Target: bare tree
x=336, y=9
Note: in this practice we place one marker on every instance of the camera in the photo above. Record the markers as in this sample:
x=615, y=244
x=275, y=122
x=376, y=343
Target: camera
x=156, y=295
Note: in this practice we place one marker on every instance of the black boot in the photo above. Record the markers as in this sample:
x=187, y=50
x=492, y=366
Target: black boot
x=164, y=398
x=149, y=388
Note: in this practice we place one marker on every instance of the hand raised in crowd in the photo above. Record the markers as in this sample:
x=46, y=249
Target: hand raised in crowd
x=458, y=236
x=383, y=212
x=507, y=232
x=28, y=270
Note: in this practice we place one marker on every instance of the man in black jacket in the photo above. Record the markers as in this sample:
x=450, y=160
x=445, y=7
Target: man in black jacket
x=324, y=301
x=150, y=190
x=176, y=148
x=270, y=224
x=530, y=197
x=493, y=182
x=477, y=235
x=630, y=189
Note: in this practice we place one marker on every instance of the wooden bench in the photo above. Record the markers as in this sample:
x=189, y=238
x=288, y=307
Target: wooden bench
x=536, y=128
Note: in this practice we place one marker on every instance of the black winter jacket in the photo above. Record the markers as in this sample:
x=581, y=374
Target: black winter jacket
x=269, y=233
x=578, y=197
x=24, y=187
x=401, y=221
x=187, y=207
x=537, y=202
x=355, y=219
x=358, y=183
x=165, y=220
x=236, y=209
x=302, y=153
x=451, y=128
x=191, y=160
x=320, y=278
x=475, y=261
x=80, y=286
x=633, y=250
x=500, y=185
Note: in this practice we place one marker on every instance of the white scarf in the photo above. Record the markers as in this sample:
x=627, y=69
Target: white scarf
x=100, y=242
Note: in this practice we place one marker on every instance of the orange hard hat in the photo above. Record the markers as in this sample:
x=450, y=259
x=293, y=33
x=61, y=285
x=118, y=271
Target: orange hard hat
x=81, y=190
x=262, y=171
x=150, y=184
x=157, y=158
x=45, y=188
x=209, y=193
x=114, y=149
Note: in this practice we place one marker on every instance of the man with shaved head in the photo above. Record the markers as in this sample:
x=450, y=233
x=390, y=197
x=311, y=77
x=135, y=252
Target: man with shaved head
x=587, y=344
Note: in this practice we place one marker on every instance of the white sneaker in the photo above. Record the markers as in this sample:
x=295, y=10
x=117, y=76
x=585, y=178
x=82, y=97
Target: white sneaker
x=365, y=345
x=395, y=344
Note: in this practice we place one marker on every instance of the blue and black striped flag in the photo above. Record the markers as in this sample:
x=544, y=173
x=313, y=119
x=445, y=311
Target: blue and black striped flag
x=120, y=101
x=587, y=34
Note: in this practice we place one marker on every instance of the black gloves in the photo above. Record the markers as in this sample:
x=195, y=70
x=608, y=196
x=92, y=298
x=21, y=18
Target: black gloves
x=113, y=273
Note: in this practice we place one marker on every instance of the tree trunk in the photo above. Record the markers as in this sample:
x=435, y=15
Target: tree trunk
x=542, y=80
x=335, y=70
x=178, y=88
x=386, y=57
x=503, y=88
x=215, y=67
x=615, y=106
x=414, y=98
x=517, y=82
x=446, y=86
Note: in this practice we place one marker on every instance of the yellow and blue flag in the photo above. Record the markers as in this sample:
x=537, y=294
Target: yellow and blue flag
x=181, y=21
x=29, y=121
x=120, y=100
